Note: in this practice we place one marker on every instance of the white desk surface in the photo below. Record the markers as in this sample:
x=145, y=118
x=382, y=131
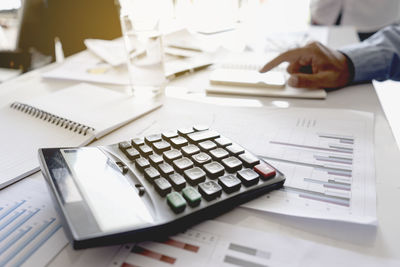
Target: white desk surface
x=382, y=241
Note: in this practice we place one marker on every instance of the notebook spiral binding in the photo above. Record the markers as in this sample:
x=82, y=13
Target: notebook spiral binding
x=51, y=118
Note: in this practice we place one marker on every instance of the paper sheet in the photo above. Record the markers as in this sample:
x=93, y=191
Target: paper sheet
x=331, y=194
x=389, y=93
x=327, y=157
x=30, y=230
x=218, y=244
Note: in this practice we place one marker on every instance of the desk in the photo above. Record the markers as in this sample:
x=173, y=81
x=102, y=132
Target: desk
x=382, y=241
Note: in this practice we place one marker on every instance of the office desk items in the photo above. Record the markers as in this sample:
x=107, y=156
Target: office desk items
x=72, y=116
x=87, y=67
x=328, y=159
x=30, y=230
x=327, y=177
x=250, y=78
x=287, y=92
x=215, y=243
x=111, y=51
x=238, y=75
x=161, y=183
x=388, y=93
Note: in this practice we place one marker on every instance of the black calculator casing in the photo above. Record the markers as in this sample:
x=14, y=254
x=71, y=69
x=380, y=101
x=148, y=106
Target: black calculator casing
x=82, y=226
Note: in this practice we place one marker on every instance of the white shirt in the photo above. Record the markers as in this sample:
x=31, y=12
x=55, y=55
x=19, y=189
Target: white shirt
x=365, y=15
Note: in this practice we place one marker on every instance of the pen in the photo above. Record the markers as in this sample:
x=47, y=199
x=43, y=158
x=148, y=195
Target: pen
x=187, y=71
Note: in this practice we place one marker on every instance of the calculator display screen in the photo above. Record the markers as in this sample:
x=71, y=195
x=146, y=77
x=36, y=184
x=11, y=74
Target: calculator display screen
x=113, y=201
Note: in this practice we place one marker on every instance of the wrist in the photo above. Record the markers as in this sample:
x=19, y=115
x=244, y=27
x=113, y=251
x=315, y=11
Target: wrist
x=348, y=68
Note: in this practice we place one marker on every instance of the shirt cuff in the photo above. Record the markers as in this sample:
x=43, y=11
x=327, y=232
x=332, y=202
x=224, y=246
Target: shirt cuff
x=368, y=61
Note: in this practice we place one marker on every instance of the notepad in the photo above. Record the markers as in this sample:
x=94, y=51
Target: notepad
x=242, y=77
x=73, y=116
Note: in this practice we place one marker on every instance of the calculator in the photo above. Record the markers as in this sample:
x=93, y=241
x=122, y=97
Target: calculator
x=151, y=187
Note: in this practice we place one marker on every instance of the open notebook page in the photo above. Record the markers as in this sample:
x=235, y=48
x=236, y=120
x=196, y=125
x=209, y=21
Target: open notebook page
x=95, y=107
x=20, y=139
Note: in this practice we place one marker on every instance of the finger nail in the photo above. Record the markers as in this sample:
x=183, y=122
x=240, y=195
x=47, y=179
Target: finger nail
x=293, y=81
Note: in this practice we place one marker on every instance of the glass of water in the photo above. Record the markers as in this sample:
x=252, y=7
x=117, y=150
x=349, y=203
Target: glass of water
x=143, y=43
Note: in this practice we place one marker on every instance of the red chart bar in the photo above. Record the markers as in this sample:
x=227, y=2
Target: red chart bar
x=182, y=245
x=128, y=265
x=152, y=254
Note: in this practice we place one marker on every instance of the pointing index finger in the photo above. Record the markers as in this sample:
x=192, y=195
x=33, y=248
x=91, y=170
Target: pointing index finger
x=288, y=56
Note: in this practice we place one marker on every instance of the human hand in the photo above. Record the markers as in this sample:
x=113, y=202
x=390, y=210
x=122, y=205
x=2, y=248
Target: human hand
x=314, y=66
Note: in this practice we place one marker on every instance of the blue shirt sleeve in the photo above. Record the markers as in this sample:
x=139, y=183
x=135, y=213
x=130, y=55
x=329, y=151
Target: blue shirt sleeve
x=377, y=57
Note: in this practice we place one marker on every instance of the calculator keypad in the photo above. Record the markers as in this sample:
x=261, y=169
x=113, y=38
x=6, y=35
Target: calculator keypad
x=191, y=164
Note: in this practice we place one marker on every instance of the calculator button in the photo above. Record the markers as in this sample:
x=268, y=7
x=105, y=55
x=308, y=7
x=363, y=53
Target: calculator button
x=137, y=142
x=219, y=154
x=234, y=149
x=192, y=196
x=124, y=169
x=232, y=164
x=230, y=183
x=202, y=136
x=176, y=202
x=248, y=177
x=162, y=186
x=179, y=142
x=142, y=163
x=161, y=146
x=141, y=191
x=185, y=131
x=169, y=134
x=200, y=127
x=124, y=145
x=132, y=153
x=182, y=164
x=172, y=155
x=190, y=150
x=145, y=150
x=177, y=181
x=155, y=159
x=214, y=169
x=152, y=138
x=223, y=141
x=165, y=169
x=151, y=174
x=265, y=171
x=195, y=175
x=201, y=158
x=210, y=190
x=207, y=145
x=249, y=161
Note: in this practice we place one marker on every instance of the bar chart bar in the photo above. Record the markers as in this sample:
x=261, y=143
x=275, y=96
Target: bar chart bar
x=181, y=245
x=153, y=254
x=341, y=138
x=249, y=251
x=330, y=184
x=334, y=159
x=40, y=242
x=342, y=201
x=339, y=150
x=241, y=262
x=11, y=209
x=329, y=169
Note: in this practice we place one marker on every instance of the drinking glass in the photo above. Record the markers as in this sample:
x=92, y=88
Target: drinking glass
x=143, y=43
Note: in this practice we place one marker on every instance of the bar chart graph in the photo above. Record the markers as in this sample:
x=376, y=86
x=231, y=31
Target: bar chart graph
x=222, y=244
x=328, y=162
x=30, y=231
x=209, y=244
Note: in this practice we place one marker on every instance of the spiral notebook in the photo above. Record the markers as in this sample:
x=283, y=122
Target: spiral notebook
x=73, y=116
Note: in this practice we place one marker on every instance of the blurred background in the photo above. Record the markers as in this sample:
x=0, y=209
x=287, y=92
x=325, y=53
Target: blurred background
x=30, y=30
x=34, y=24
